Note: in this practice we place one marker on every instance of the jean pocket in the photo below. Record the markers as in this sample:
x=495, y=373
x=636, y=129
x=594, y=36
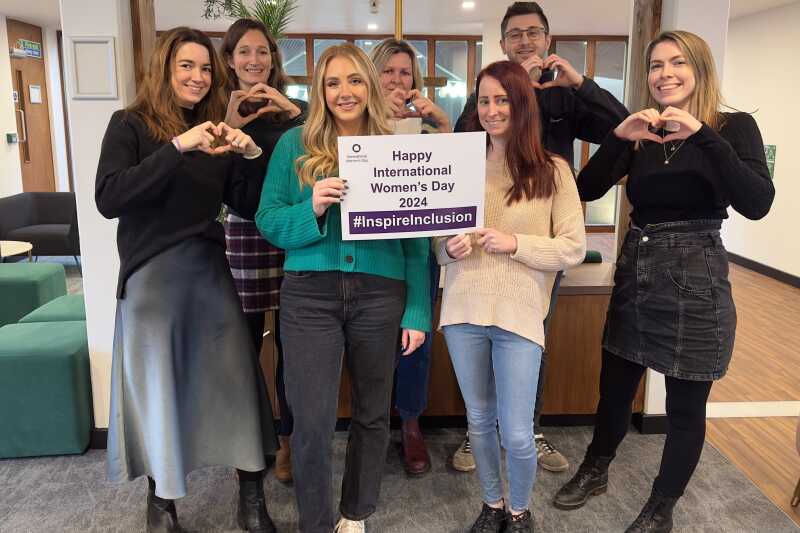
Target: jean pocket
x=691, y=273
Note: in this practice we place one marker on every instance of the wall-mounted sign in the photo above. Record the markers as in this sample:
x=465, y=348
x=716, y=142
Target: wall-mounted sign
x=15, y=96
x=35, y=94
x=32, y=48
x=769, y=151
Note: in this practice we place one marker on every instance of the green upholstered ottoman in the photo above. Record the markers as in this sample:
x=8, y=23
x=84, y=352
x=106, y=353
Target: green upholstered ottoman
x=45, y=389
x=67, y=308
x=26, y=286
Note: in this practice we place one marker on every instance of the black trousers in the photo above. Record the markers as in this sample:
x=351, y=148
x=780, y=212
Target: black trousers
x=686, y=415
x=255, y=323
x=324, y=314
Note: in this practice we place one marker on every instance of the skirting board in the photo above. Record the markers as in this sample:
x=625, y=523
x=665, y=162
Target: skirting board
x=752, y=409
x=768, y=271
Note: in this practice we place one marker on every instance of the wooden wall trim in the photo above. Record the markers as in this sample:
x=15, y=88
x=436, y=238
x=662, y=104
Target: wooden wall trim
x=143, y=21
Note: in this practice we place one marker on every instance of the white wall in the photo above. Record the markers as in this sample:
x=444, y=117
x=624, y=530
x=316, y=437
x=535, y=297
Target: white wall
x=10, y=169
x=708, y=19
x=56, y=101
x=88, y=120
x=761, y=74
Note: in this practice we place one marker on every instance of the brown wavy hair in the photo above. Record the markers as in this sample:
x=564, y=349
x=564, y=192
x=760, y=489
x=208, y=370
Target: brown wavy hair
x=531, y=167
x=277, y=78
x=155, y=100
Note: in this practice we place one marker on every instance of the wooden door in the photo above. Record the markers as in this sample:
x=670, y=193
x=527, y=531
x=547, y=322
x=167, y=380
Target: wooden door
x=32, y=110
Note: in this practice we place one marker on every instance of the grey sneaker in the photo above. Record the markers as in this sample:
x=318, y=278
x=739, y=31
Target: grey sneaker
x=462, y=459
x=548, y=457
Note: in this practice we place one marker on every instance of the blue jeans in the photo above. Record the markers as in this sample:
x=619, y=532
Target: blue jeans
x=498, y=372
x=413, y=370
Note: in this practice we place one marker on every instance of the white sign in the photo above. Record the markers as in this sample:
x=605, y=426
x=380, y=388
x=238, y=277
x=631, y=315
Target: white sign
x=404, y=186
x=35, y=94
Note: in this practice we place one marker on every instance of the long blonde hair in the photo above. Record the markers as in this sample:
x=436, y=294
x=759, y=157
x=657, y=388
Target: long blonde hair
x=389, y=47
x=155, y=101
x=706, y=99
x=321, y=157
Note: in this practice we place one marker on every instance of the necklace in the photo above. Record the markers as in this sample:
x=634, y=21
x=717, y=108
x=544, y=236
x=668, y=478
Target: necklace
x=673, y=149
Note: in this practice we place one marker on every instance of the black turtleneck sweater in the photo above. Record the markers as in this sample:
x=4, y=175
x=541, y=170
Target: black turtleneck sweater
x=163, y=197
x=707, y=173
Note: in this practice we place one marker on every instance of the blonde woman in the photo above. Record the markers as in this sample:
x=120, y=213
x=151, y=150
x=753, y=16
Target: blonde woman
x=401, y=82
x=338, y=296
x=671, y=309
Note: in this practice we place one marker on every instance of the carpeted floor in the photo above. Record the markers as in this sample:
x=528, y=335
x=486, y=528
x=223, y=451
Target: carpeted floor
x=70, y=494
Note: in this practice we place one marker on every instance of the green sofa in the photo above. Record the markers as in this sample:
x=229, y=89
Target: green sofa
x=27, y=286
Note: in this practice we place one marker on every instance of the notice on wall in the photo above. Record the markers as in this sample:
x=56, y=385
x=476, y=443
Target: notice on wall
x=769, y=152
x=31, y=48
x=405, y=186
x=35, y=94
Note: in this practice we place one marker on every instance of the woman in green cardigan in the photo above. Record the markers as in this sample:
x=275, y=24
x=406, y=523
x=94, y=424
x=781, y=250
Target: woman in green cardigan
x=339, y=296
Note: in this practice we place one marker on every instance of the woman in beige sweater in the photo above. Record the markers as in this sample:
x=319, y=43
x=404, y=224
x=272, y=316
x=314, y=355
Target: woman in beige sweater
x=497, y=289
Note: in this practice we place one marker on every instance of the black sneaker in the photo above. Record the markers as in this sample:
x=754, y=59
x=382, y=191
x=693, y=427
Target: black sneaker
x=490, y=520
x=521, y=523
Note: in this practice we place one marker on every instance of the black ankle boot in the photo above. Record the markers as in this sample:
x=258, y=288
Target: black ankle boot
x=656, y=516
x=490, y=520
x=161, y=514
x=521, y=523
x=252, y=514
x=591, y=479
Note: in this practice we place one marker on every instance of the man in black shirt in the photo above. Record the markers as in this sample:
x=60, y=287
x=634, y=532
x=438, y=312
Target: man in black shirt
x=571, y=106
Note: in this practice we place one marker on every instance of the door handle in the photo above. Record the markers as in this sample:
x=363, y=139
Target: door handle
x=24, y=126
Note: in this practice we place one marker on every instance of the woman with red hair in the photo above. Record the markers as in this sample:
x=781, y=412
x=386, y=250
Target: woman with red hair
x=497, y=289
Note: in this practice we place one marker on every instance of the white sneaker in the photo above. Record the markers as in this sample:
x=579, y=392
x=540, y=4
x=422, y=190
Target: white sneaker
x=350, y=526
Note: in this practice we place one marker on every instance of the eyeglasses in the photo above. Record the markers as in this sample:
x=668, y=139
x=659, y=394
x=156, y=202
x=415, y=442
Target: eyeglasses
x=533, y=34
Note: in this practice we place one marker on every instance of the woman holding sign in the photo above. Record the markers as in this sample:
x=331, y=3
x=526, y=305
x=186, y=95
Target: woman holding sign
x=186, y=391
x=351, y=296
x=259, y=106
x=497, y=289
x=672, y=308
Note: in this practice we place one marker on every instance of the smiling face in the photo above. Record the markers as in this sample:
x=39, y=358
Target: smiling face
x=345, y=94
x=397, y=72
x=251, y=60
x=671, y=79
x=191, y=74
x=516, y=44
x=494, y=108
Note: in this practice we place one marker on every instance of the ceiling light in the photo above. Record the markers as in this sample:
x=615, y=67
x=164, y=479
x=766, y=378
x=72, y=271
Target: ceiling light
x=467, y=4
x=367, y=43
x=372, y=26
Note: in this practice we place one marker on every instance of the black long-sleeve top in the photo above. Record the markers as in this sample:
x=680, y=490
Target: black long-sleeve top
x=265, y=134
x=587, y=113
x=161, y=196
x=709, y=172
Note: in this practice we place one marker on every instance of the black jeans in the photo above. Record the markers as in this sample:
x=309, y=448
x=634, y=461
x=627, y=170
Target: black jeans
x=322, y=315
x=686, y=415
x=255, y=323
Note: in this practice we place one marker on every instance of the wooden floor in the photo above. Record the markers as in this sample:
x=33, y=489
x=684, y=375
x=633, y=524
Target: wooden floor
x=764, y=449
x=766, y=358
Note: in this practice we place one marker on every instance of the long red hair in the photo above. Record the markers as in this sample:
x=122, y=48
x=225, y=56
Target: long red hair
x=532, y=167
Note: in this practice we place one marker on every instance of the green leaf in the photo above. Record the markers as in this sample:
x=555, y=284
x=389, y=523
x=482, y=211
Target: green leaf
x=276, y=15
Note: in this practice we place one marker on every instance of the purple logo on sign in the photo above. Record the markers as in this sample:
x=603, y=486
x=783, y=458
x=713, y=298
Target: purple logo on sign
x=366, y=222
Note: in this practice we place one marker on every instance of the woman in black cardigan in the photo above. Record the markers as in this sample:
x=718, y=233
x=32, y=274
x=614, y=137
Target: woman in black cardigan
x=185, y=390
x=671, y=309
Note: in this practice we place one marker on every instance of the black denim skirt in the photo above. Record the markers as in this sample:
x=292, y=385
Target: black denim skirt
x=672, y=309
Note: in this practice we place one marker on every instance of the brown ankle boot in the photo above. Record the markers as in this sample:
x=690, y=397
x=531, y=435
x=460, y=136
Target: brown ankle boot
x=283, y=461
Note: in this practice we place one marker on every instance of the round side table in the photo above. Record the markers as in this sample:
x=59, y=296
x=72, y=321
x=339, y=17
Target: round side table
x=9, y=248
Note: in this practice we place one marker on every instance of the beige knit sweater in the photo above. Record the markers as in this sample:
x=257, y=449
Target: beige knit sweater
x=512, y=291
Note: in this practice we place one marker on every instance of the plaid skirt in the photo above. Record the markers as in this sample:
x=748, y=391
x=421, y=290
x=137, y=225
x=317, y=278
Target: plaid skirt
x=256, y=265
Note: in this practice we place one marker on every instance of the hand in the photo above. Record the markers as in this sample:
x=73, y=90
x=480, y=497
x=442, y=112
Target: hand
x=410, y=340
x=689, y=124
x=426, y=108
x=200, y=137
x=326, y=192
x=636, y=126
x=459, y=246
x=237, y=141
x=277, y=102
x=533, y=62
x=496, y=242
x=567, y=75
x=396, y=103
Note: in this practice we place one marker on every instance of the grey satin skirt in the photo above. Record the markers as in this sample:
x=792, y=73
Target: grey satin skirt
x=186, y=388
